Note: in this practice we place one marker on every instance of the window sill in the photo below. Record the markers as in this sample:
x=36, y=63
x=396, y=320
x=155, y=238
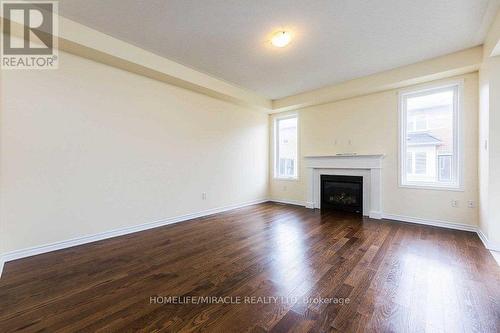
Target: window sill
x=286, y=178
x=433, y=187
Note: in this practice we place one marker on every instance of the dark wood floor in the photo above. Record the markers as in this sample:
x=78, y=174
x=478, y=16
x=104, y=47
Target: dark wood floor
x=398, y=278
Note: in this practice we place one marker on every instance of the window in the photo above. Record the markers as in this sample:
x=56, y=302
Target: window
x=420, y=163
x=430, y=151
x=285, y=138
x=409, y=162
x=417, y=123
x=286, y=167
x=416, y=163
x=444, y=167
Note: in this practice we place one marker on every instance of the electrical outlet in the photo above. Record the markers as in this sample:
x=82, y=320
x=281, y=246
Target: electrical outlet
x=470, y=204
x=204, y=196
x=454, y=203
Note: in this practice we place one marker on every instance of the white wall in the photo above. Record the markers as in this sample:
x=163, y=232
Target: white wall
x=489, y=146
x=371, y=123
x=89, y=148
x=494, y=154
x=489, y=133
x=3, y=236
x=483, y=168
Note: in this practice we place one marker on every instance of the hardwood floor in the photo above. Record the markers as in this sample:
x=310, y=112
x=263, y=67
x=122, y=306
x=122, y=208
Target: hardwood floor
x=396, y=277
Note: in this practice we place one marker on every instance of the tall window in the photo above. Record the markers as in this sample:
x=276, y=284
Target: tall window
x=429, y=154
x=285, y=140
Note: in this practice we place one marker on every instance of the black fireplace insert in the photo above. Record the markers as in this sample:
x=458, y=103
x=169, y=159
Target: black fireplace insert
x=343, y=193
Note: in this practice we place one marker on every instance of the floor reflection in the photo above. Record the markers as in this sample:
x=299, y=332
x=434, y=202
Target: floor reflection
x=291, y=267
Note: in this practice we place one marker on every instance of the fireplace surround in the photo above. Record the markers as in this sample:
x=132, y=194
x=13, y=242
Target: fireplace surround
x=369, y=167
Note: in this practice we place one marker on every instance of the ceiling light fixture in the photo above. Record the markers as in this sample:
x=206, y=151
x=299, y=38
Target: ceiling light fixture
x=281, y=38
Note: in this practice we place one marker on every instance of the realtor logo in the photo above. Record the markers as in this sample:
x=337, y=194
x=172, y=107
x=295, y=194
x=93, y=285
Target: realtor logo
x=29, y=40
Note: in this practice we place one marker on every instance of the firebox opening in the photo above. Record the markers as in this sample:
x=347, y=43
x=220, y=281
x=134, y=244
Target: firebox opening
x=343, y=193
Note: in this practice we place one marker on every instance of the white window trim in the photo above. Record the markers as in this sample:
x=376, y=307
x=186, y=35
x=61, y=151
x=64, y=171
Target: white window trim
x=458, y=141
x=276, y=149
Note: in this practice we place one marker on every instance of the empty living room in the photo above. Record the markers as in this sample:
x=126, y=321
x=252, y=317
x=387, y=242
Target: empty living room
x=250, y=166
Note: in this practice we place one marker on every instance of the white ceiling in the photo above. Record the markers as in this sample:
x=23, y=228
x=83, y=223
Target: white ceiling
x=335, y=40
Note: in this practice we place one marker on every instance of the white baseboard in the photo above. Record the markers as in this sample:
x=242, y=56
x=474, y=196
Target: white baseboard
x=482, y=237
x=2, y=262
x=23, y=253
x=435, y=223
x=416, y=220
x=380, y=215
x=375, y=215
x=489, y=245
x=444, y=224
x=289, y=202
x=32, y=251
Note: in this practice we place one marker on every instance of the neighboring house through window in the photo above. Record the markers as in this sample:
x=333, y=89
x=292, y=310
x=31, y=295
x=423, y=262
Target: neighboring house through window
x=285, y=154
x=444, y=162
x=430, y=137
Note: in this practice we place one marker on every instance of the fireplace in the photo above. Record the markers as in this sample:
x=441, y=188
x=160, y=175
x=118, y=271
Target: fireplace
x=342, y=193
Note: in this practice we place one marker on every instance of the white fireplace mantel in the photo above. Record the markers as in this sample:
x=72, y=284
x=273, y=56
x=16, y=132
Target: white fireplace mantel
x=367, y=166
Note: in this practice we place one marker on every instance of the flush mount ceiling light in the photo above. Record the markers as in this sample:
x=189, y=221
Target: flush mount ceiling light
x=281, y=38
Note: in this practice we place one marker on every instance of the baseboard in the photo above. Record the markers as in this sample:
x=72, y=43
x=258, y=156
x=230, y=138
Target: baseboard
x=23, y=253
x=2, y=262
x=375, y=215
x=32, y=251
x=489, y=245
x=380, y=215
x=310, y=205
x=289, y=202
x=482, y=237
x=435, y=223
x=444, y=224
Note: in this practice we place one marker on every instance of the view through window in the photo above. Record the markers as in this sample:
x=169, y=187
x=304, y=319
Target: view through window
x=429, y=149
x=286, y=147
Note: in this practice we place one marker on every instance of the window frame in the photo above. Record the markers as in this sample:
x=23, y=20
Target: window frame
x=276, y=143
x=458, y=162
